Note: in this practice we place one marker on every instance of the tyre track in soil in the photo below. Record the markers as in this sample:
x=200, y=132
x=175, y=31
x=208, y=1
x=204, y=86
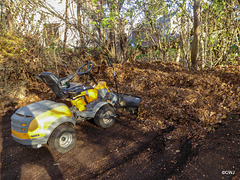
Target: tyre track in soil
x=215, y=154
x=160, y=159
x=219, y=152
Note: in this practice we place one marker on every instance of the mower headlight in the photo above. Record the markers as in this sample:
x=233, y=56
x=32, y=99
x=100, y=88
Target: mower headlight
x=33, y=125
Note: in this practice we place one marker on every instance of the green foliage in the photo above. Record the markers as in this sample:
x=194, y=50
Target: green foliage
x=95, y=1
x=172, y=52
x=114, y=6
x=219, y=31
x=93, y=22
x=24, y=49
x=234, y=48
x=141, y=56
x=105, y=22
x=99, y=48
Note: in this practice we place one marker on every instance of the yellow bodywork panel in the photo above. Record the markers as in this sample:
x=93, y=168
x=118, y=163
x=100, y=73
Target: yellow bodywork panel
x=91, y=95
x=41, y=123
x=88, y=96
x=85, y=97
x=101, y=85
x=21, y=135
x=79, y=102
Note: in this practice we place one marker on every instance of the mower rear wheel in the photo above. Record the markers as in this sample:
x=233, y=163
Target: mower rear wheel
x=63, y=138
x=105, y=117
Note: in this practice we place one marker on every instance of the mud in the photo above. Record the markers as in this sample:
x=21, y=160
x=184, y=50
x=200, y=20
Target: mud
x=125, y=151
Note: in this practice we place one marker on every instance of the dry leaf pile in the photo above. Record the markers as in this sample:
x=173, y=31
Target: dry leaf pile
x=170, y=95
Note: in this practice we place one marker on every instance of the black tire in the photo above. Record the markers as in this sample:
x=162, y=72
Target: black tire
x=105, y=117
x=63, y=138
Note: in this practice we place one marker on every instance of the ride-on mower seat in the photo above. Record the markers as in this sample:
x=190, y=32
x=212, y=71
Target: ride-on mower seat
x=60, y=89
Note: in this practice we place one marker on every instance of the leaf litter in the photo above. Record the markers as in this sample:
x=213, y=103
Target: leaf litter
x=173, y=96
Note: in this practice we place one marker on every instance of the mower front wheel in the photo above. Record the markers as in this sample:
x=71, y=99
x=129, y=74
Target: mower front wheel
x=63, y=138
x=105, y=117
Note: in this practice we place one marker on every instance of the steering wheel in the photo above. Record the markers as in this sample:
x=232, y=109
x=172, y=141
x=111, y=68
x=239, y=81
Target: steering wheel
x=89, y=65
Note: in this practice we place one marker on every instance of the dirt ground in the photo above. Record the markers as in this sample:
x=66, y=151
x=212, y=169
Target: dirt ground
x=126, y=151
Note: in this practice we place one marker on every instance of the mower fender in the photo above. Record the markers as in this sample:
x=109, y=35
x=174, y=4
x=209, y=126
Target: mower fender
x=92, y=113
x=39, y=142
x=62, y=120
x=98, y=106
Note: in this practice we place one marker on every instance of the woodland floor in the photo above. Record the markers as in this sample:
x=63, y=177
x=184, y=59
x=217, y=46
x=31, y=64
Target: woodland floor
x=188, y=127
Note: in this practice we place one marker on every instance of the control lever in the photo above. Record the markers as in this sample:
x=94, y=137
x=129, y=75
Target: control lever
x=65, y=81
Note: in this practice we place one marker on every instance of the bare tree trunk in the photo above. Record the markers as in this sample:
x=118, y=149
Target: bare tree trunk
x=9, y=15
x=188, y=45
x=124, y=47
x=183, y=41
x=66, y=28
x=2, y=21
x=118, y=30
x=117, y=33
x=196, y=27
x=79, y=22
x=118, y=49
x=178, y=53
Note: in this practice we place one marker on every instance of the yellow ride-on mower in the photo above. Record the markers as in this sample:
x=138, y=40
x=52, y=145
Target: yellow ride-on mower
x=52, y=123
